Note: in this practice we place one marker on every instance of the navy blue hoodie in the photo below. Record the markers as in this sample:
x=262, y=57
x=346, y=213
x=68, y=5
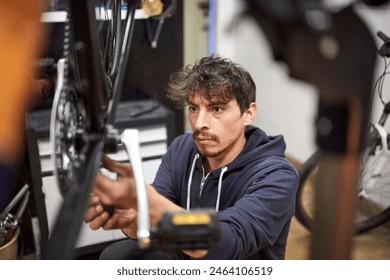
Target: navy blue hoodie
x=254, y=194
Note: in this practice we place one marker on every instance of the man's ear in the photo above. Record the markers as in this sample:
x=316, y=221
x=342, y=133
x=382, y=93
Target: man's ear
x=250, y=113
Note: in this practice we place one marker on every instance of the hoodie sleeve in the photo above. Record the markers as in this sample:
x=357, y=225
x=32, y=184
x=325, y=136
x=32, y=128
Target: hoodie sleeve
x=260, y=217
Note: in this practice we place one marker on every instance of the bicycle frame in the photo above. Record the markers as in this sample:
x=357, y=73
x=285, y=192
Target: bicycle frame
x=100, y=107
x=87, y=54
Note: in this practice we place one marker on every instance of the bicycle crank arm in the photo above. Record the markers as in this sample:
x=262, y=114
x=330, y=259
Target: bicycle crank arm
x=131, y=141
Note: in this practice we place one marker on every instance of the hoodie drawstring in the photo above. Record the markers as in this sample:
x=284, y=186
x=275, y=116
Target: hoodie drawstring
x=223, y=170
x=190, y=181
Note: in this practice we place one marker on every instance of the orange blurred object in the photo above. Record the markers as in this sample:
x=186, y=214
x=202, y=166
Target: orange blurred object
x=21, y=37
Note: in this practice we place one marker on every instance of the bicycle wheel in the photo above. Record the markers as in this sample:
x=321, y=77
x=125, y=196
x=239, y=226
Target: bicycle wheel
x=373, y=203
x=305, y=197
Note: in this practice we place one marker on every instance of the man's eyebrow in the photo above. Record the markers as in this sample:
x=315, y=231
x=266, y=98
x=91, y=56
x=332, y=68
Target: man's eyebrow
x=218, y=102
x=190, y=103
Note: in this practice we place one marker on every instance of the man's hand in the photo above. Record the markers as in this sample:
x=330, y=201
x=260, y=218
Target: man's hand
x=120, y=194
x=97, y=216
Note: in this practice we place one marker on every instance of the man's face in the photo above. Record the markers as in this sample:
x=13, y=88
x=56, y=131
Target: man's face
x=218, y=126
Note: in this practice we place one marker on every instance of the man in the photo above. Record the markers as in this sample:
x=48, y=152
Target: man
x=226, y=164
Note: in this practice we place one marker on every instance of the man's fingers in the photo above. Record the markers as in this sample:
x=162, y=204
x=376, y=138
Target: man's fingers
x=123, y=170
x=92, y=212
x=111, y=222
x=113, y=192
x=99, y=221
x=93, y=200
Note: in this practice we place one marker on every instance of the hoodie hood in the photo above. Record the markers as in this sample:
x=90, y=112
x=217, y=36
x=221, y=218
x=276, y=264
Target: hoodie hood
x=259, y=146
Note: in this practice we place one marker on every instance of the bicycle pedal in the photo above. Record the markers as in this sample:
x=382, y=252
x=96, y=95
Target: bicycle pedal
x=198, y=229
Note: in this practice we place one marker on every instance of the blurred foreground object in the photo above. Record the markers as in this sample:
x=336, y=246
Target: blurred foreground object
x=21, y=37
x=152, y=7
x=324, y=48
x=21, y=34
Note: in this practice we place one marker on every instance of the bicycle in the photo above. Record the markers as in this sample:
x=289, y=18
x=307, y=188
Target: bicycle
x=372, y=201
x=90, y=78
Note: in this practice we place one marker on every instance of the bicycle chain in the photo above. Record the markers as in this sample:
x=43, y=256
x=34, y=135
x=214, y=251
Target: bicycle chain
x=67, y=159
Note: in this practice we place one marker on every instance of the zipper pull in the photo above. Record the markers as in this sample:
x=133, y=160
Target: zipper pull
x=202, y=182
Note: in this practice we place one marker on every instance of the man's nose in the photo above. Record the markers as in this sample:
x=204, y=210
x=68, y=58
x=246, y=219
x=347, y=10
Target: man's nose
x=202, y=120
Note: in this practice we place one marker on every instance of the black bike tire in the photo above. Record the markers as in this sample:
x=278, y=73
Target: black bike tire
x=304, y=172
x=308, y=222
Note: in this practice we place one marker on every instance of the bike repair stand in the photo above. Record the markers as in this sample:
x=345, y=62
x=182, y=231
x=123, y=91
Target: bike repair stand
x=344, y=80
x=326, y=49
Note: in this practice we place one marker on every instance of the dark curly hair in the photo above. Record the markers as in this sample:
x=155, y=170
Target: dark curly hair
x=213, y=76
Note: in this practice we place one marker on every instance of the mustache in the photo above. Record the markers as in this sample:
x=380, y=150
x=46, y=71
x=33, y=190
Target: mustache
x=203, y=135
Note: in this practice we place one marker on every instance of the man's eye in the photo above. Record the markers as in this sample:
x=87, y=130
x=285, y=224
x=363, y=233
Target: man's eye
x=218, y=109
x=192, y=108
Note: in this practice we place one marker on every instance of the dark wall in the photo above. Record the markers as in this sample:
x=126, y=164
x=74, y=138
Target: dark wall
x=150, y=68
